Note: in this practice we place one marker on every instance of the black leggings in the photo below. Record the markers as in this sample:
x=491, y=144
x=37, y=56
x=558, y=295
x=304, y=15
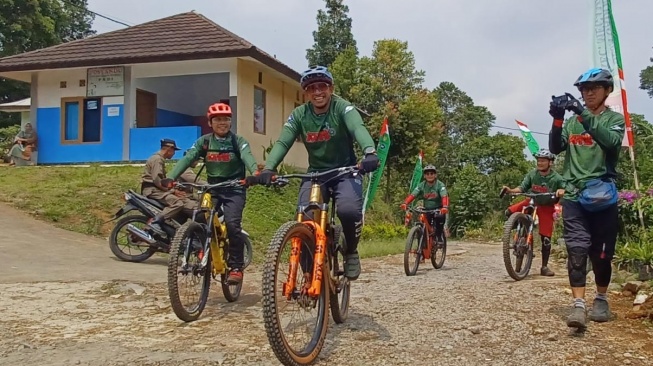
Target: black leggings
x=592, y=234
x=437, y=221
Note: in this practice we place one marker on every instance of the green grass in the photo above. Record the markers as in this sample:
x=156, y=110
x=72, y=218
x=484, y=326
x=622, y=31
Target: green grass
x=84, y=199
x=368, y=248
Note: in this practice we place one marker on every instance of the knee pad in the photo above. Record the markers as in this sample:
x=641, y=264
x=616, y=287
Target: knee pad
x=577, y=266
x=546, y=241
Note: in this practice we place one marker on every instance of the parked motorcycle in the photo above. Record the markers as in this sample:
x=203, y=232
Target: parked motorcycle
x=130, y=235
x=145, y=241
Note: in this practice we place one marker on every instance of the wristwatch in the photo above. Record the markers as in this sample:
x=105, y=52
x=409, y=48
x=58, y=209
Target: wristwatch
x=369, y=150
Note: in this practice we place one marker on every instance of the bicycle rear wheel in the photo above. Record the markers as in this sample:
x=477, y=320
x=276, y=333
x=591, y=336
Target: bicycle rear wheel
x=275, y=304
x=185, y=266
x=518, y=247
x=414, y=245
x=339, y=297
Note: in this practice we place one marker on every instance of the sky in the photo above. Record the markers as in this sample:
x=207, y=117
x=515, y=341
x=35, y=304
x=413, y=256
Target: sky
x=508, y=55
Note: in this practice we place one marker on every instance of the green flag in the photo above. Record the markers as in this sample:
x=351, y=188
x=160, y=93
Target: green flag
x=382, y=151
x=533, y=146
x=417, y=173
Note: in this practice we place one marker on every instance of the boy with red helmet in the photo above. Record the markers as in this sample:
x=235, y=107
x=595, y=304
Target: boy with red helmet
x=226, y=156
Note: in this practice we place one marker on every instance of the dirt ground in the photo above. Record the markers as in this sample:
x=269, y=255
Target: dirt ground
x=65, y=300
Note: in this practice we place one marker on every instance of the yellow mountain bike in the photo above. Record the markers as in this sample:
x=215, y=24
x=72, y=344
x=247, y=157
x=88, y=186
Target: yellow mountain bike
x=199, y=251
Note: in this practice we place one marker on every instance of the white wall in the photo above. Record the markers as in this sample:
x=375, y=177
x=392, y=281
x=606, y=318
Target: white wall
x=24, y=118
x=190, y=67
x=190, y=94
x=49, y=91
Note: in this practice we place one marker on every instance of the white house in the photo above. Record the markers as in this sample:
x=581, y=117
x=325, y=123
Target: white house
x=113, y=96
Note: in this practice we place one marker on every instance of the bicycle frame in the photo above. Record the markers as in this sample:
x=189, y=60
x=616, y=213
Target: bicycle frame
x=531, y=211
x=320, y=227
x=216, y=229
x=422, y=219
x=525, y=210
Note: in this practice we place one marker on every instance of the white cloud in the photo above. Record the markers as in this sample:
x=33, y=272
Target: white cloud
x=510, y=55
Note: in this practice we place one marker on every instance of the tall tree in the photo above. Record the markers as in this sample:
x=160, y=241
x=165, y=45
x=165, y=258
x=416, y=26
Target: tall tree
x=29, y=25
x=387, y=84
x=463, y=121
x=333, y=34
x=646, y=79
x=643, y=148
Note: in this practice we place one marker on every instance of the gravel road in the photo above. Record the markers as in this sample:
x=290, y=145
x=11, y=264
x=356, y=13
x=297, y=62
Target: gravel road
x=468, y=313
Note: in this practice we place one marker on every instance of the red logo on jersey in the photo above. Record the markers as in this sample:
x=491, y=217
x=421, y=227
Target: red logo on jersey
x=539, y=189
x=217, y=157
x=322, y=136
x=429, y=196
x=581, y=140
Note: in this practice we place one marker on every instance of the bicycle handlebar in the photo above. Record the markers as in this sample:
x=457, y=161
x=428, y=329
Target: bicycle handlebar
x=206, y=187
x=423, y=210
x=282, y=180
x=531, y=195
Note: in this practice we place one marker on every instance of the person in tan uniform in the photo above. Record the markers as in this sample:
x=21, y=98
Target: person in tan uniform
x=174, y=200
x=189, y=175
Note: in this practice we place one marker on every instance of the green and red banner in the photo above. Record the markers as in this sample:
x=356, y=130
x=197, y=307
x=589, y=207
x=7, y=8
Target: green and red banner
x=533, y=146
x=382, y=150
x=607, y=55
x=417, y=172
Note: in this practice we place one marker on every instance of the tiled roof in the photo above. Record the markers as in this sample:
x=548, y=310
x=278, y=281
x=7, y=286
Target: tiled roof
x=185, y=36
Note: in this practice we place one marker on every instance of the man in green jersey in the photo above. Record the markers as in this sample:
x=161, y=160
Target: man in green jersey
x=541, y=180
x=434, y=194
x=328, y=126
x=591, y=141
x=226, y=156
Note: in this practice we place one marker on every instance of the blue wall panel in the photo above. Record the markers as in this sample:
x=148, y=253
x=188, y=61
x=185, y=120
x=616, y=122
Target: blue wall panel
x=165, y=118
x=52, y=151
x=143, y=142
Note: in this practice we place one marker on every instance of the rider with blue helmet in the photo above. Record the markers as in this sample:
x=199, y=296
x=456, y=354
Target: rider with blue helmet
x=328, y=126
x=591, y=140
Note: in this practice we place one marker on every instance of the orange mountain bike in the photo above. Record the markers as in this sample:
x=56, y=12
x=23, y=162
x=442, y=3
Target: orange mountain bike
x=314, y=281
x=520, y=242
x=420, y=241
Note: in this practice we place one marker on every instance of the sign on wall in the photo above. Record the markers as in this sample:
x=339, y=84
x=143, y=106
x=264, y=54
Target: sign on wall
x=105, y=81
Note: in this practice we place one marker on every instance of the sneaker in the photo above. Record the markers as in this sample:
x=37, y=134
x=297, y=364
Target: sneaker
x=577, y=318
x=352, y=266
x=235, y=277
x=600, y=311
x=545, y=271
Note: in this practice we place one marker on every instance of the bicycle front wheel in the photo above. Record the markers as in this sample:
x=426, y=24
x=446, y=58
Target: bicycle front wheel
x=413, y=246
x=185, y=268
x=286, y=339
x=515, y=243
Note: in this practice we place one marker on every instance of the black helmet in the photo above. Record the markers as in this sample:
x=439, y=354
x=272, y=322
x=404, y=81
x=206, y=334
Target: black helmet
x=431, y=168
x=595, y=75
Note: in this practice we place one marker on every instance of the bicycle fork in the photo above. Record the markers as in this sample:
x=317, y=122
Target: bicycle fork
x=317, y=275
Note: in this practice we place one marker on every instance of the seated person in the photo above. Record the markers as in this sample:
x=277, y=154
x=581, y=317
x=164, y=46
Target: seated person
x=174, y=200
x=23, y=152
